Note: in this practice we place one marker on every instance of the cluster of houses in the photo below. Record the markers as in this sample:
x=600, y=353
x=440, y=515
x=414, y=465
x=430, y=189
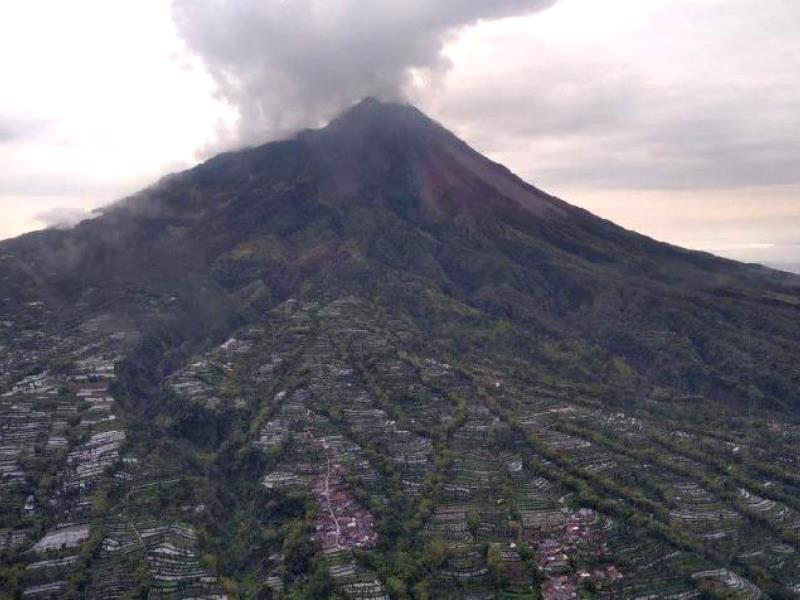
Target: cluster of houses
x=561, y=540
x=341, y=521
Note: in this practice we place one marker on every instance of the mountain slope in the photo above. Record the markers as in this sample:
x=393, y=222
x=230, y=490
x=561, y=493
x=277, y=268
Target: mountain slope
x=383, y=198
x=369, y=361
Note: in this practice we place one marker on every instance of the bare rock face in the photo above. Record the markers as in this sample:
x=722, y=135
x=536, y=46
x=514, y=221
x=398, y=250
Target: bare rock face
x=365, y=151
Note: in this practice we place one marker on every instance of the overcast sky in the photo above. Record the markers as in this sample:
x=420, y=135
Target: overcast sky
x=679, y=118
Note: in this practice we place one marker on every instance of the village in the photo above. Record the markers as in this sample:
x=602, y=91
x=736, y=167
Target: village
x=341, y=523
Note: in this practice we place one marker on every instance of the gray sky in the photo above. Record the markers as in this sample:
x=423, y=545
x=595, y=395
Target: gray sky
x=679, y=118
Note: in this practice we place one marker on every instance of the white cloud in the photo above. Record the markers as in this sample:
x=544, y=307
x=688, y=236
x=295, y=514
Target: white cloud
x=286, y=65
x=644, y=94
x=97, y=101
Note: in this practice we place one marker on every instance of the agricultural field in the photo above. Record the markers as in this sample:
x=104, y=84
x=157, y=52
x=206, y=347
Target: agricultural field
x=330, y=449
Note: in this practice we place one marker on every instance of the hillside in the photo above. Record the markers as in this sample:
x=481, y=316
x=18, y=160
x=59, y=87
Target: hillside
x=369, y=362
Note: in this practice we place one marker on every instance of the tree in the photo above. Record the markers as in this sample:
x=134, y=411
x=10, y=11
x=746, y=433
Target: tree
x=298, y=549
x=473, y=521
x=497, y=566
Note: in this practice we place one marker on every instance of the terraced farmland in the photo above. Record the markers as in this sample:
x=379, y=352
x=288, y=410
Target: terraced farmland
x=350, y=455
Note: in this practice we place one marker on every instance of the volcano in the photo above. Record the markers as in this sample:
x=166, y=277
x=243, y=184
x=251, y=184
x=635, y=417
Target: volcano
x=386, y=203
x=374, y=336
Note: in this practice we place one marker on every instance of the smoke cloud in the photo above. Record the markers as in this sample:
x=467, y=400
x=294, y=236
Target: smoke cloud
x=286, y=64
